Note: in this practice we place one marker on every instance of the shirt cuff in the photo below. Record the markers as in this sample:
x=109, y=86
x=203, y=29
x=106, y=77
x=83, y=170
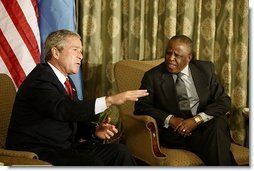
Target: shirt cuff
x=100, y=105
x=205, y=117
x=166, y=122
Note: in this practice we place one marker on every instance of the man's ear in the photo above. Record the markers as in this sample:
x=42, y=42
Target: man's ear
x=190, y=57
x=55, y=52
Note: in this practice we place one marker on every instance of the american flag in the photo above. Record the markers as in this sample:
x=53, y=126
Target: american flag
x=19, y=38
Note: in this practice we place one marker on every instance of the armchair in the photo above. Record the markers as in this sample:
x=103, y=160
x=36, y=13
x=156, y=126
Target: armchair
x=141, y=133
x=246, y=113
x=11, y=157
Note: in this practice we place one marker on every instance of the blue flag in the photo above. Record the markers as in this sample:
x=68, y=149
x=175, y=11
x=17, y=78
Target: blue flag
x=55, y=15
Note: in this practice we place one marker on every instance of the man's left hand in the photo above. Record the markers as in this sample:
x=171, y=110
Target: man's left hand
x=105, y=130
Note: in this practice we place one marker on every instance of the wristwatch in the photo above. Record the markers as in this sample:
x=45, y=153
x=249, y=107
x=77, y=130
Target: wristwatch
x=198, y=119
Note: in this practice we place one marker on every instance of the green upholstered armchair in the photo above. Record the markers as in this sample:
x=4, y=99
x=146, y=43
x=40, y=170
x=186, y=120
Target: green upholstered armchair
x=141, y=134
x=11, y=157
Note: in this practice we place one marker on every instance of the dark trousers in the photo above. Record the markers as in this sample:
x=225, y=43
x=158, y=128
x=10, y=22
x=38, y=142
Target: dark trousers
x=210, y=141
x=90, y=155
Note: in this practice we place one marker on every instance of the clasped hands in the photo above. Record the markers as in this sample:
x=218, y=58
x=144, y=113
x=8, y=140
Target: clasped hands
x=183, y=126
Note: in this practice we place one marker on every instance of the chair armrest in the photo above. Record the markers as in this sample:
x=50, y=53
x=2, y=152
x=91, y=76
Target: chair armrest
x=151, y=126
x=246, y=112
x=21, y=161
x=143, y=127
x=13, y=153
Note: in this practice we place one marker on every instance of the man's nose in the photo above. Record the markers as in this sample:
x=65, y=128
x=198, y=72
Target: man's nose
x=80, y=56
x=171, y=56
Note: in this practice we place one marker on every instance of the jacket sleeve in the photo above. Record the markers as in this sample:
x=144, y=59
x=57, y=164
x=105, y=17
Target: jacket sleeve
x=219, y=102
x=146, y=105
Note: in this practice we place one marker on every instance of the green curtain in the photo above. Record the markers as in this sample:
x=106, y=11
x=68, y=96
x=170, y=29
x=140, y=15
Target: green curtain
x=113, y=30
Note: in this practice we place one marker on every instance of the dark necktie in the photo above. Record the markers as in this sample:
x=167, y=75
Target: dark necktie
x=69, y=88
x=183, y=100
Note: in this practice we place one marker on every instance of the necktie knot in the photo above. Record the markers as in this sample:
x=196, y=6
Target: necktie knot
x=67, y=83
x=180, y=74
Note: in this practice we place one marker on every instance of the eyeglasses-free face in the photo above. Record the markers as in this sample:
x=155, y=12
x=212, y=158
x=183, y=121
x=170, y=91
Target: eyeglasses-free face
x=178, y=55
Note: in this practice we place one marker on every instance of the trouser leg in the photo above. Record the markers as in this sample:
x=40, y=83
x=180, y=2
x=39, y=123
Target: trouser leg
x=70, y=157
x=211, y=141
x=113, y=154
x=90, y=155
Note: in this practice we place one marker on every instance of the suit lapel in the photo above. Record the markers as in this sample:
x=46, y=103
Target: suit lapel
x=167, y=85
x=169, y=91
x=168, y=88
x=56, y=81
x=75, y=96
x=199, y=81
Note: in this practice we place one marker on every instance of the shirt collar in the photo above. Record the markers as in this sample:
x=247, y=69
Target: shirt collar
x=60, y=76
x=185, y=71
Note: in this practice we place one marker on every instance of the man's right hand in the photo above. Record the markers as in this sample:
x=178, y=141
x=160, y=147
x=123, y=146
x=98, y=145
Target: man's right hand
x=175, y=121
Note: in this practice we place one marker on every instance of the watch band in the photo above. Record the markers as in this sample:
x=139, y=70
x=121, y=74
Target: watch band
x=198, y=119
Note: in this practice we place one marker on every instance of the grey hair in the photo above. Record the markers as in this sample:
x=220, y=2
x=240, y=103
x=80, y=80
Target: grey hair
x=57, y=39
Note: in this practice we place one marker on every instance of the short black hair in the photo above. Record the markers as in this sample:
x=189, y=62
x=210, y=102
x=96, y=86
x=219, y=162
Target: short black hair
x=184, y=39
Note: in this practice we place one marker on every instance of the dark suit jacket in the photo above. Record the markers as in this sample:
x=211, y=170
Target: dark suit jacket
x=44, y=117
x=162, y=99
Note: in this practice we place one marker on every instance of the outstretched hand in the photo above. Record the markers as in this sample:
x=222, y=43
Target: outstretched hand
x=105, y=130
x=131, y=95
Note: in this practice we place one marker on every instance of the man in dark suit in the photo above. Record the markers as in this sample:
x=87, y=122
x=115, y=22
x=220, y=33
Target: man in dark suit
x=188, y=103
x=49, y=120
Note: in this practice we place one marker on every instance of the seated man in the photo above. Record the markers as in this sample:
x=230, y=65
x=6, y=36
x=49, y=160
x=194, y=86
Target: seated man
x=48, y=119
x=189, y=104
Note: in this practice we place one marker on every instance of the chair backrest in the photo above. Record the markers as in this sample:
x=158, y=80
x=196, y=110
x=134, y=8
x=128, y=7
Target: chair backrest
x=7, y=97
x=128, y=76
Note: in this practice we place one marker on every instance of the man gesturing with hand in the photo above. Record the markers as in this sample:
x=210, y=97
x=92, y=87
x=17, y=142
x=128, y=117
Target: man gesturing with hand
x=49, y=120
